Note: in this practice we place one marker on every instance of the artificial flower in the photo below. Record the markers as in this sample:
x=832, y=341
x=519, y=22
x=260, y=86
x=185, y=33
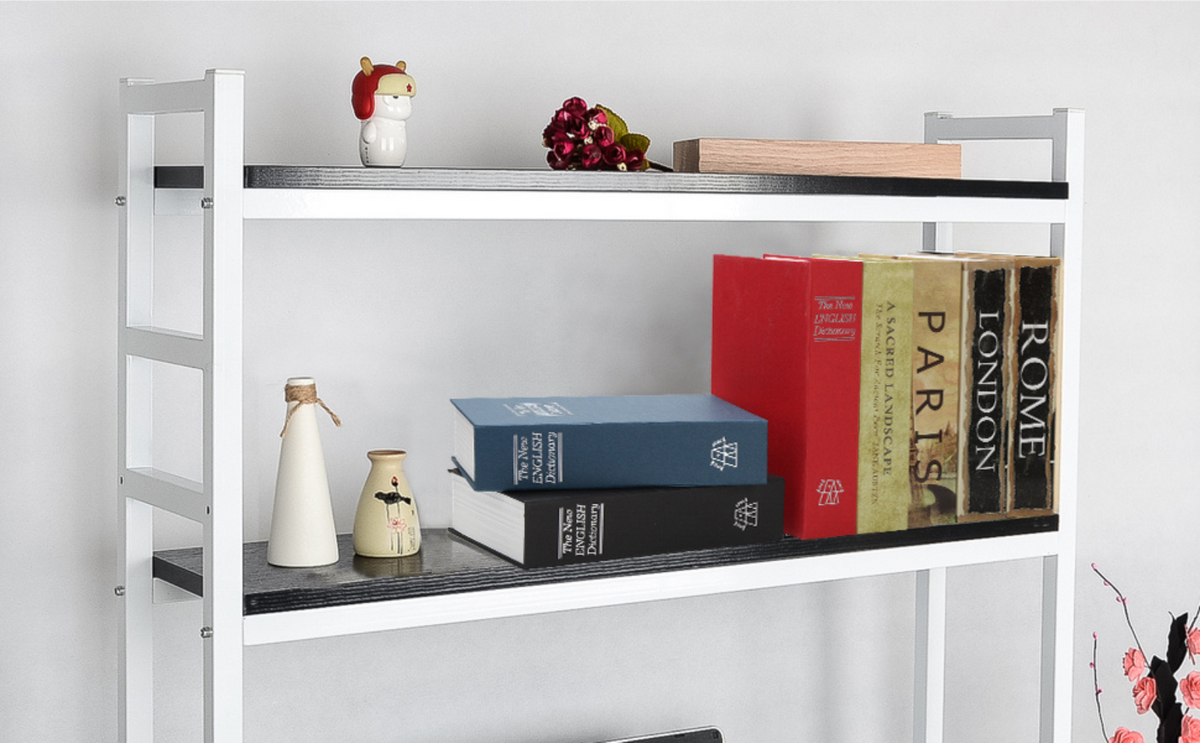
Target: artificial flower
x=1189, y=688
x=1145, y=691
x=1134, y=664
x=1126, y=736
x=1189, y=731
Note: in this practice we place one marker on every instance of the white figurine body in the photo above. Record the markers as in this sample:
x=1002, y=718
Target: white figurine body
x=384, y=136
x=382, y=98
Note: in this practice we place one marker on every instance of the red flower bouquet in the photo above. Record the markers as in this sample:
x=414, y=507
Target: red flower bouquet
x=580, y=137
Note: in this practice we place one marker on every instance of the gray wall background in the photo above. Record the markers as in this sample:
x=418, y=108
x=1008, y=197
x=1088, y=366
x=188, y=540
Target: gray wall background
x=393, y=319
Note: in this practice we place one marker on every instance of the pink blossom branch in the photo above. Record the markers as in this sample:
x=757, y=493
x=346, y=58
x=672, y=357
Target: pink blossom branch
x=1124, y=605
x=1096, y=686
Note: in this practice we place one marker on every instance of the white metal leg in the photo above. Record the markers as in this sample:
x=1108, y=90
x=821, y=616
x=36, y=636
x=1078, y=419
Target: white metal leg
x=1067, y=242
x=1050, y=604
x=135, y=659
x=929, y=688
x=216, y=502
x=1065, y=129
x=135, y=643
x=223, y=409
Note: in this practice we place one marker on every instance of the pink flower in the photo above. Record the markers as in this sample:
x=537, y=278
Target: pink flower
x=1189, y=687
x=396, y=524
x=1134, y=664
x=1145, y=691
x=1193, y=643
x=1126, y=736
x=1189, y=732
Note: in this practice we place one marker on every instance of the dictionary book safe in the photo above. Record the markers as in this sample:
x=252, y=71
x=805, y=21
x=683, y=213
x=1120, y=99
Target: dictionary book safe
x=563, y=527
x=549, y=443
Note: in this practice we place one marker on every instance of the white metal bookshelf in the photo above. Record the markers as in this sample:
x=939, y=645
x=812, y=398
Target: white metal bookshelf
x=215, y=502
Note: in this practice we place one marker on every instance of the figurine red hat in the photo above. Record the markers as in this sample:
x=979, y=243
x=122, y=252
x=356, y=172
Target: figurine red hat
x=379, y=80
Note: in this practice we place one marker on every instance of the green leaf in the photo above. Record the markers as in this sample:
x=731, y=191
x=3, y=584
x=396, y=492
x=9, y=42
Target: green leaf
x=635, y=142
x=620, y=129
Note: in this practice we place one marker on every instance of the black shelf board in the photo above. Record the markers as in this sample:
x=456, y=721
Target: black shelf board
x=450, y=564
x=462, y=179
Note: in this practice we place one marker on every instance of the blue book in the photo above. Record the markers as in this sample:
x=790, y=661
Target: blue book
x=550, y=443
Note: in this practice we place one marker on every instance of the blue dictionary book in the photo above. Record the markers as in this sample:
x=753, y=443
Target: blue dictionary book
x=550, y=443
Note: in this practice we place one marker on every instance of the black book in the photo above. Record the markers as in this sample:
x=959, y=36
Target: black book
x=564, y=527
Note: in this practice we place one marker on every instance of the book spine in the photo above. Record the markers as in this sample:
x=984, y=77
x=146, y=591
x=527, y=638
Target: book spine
x=936, y=365
x=983, y=459
x=611, y=524
x=885, y=396
x=1034, y=396
x=611, y=455
x=835, y=356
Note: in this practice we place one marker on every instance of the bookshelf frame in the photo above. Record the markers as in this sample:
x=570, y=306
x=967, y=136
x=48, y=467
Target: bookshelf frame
x=227, y=193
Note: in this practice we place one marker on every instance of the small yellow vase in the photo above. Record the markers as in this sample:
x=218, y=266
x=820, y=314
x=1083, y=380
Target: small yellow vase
x=386, y=523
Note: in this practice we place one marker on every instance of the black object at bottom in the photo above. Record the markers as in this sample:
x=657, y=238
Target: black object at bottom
x=697, y=735
x=449, y=564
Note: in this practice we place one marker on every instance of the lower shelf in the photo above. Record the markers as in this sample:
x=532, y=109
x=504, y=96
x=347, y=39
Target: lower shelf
x=452, y=579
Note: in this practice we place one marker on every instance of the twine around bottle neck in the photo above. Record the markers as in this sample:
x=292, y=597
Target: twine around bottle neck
x=303, y=394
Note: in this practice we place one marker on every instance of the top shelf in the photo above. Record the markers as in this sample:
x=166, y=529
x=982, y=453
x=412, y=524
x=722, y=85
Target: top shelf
x=345, y=192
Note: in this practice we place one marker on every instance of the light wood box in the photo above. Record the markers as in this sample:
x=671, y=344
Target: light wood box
x=796, y=157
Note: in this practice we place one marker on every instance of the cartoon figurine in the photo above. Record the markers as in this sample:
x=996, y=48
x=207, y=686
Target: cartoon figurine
x=382, y=99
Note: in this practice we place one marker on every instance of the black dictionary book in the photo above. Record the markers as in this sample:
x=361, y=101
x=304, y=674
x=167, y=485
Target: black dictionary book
x=564, y=527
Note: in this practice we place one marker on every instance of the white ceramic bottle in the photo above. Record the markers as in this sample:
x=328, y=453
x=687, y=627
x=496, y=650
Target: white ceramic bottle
x=302, y=530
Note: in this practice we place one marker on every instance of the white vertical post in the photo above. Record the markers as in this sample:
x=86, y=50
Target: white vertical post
x=929, y=687
x=223, y=168
x=135, y=644
x=1066, y=241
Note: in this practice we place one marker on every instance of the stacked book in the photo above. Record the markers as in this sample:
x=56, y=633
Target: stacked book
x=557, y=481
x=902, y=392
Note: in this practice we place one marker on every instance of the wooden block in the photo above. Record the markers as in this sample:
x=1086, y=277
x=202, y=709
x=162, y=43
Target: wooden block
x=794, y=157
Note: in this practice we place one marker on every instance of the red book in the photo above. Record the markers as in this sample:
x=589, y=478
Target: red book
x=786, y=346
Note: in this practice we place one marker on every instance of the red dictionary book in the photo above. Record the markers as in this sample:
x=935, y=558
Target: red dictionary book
x=786, y=347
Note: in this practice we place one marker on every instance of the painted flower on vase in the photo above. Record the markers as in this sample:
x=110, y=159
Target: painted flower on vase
x=1193, y=643
x=396, y=522
x=1189, y=731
